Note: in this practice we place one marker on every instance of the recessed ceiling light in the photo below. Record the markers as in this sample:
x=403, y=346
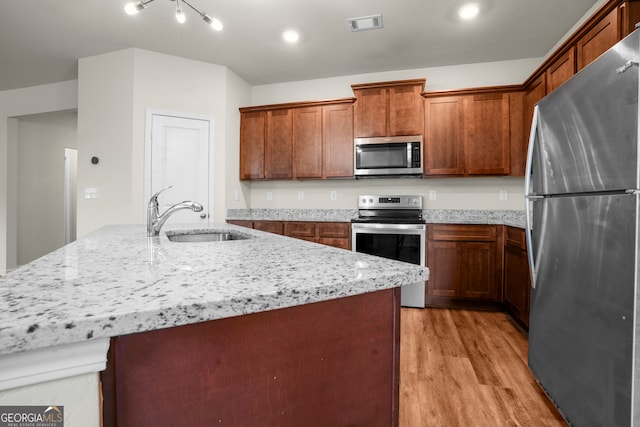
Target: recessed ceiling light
x=291, y=36
x=468, y=11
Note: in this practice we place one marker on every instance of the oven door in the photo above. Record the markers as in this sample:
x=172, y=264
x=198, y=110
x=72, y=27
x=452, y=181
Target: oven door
x=401, y=242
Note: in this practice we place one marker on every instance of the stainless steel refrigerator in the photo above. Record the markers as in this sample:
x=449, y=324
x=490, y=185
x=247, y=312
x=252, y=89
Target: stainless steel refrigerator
x=582, y=202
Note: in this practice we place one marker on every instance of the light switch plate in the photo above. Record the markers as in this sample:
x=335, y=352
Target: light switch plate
x=432, y=195
x=504, y=195
x=334, y=195
x=269, y=195
x=300, y=195
x=91, y=192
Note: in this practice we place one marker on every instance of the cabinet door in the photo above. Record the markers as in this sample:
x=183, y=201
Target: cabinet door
x=300, y=230
x=517, y=143
x=516, y=275
x=444, y=136
x=336, y=234
x=337, y=140
x=516, y=283
x=604, y=35
x=370, y=112
x=252, y=141
x=487, y=134
x=534, y=93
x=241, y=222
x=443, y=260
x=478, y=270
x=405, y=110
x=561, y=70
x=276, y=227
x=279, y=144
x=307, y=142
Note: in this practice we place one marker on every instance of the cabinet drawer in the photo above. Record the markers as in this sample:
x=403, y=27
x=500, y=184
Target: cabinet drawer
x=276, y=227
x=515, y=237
x=466, y=233
x=336, y=230
x=300, y=229
x=336, y=243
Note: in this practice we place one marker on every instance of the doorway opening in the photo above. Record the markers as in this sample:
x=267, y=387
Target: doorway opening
x=70, y=194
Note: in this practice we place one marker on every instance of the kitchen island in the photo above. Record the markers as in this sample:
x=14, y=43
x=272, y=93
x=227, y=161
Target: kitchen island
x=267, y=330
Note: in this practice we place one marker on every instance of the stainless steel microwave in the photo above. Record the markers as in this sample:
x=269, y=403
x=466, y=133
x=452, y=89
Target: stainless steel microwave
x=388, y=156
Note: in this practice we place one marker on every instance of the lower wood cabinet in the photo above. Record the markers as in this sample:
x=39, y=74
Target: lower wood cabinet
x=517, y=280
x=336, y=234
x=465, y=264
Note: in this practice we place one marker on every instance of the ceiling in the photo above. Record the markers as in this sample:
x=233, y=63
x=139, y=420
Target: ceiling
x=41, y=40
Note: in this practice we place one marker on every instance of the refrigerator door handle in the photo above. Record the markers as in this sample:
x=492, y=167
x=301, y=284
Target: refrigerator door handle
x=529, y=232
x=530, y=198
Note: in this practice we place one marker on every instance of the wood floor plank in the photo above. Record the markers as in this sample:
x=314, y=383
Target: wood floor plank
x=467, y=368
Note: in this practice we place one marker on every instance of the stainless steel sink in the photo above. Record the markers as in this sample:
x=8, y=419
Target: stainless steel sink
x=194, y=236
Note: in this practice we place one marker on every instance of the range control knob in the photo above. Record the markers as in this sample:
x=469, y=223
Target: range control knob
x=370, y=200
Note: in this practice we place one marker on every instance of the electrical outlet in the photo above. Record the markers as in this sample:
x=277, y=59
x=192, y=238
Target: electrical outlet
x=236, y=196
x=504, y=195
x=432, y=195
x=269, y=195
x=334, y=195
x=300, y=195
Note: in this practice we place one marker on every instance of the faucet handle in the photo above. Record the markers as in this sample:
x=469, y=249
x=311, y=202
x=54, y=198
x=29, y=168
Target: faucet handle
x=154, y=198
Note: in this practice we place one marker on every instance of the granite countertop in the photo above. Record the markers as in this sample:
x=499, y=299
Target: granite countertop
x=116, y=281
x=514, y=218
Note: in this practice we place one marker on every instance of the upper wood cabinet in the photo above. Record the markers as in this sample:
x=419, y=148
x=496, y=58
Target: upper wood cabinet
x=337, y=140
x=444, y=135
x=266, y=144
x=561, y=70
x=487, y=135
x=307, y=137
x=323, y=141
x=253, y=128
x=312, y=140
x=388, y=108
x=601, y=37
x=532, y=94
x=468, y=134
x=279, y=145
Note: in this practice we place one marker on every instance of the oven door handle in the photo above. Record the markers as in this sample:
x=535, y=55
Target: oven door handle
x=390, y=227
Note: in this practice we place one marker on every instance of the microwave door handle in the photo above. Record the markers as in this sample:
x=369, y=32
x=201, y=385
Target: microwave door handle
x=409, y=154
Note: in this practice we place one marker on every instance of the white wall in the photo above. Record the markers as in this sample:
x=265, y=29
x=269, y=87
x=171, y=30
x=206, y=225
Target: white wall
x=13, y=103
x=42, y=139
x=114, y=92
x=238, y=95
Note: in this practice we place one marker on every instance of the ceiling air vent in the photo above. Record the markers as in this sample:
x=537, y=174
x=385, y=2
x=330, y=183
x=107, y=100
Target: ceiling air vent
x=373, y=22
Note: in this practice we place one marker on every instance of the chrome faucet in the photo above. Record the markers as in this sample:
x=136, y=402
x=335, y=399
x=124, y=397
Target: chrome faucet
x=155, y=221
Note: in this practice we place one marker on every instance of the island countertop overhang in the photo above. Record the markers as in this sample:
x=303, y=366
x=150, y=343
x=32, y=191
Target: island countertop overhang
x=116, y=281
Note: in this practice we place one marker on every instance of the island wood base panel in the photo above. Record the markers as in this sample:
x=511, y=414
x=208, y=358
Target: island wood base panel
x=329, y=363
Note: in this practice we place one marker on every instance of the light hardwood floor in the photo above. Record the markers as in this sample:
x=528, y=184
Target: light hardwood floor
x=467, y=368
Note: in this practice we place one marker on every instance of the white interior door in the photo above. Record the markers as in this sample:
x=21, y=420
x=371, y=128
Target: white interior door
x=180, y=158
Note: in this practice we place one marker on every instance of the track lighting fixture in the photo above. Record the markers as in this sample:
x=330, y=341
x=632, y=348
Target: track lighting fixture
x=136, y=6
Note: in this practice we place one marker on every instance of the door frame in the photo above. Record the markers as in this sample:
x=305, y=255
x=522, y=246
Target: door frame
x=149, y=113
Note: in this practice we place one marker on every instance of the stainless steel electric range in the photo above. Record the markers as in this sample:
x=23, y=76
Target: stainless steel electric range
x=392, y=227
